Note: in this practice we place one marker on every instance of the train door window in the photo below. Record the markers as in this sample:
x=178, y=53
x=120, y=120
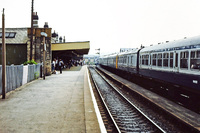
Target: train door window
x=150, y=59
x=184, y=59
x=195, y=60
x=176, y=61
x=171, y=60
x=147, y=60
x=131, y=59
x=128, y=60
x=165, y=59
x=159, y=59
x=154, y=59
x=143, y=59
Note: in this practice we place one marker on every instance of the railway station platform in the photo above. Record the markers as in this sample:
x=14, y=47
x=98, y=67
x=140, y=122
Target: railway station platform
x=61, y=103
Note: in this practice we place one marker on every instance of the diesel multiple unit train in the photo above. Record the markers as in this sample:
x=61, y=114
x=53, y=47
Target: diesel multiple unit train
x=175, y=66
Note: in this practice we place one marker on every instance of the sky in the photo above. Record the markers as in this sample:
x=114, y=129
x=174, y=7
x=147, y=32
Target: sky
x=110, y=24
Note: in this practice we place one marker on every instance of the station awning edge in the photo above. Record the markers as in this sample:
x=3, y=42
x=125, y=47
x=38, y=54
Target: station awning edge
x=71, y=46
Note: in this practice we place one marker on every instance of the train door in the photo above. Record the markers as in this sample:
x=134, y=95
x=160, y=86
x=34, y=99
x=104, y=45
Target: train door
x=176, y=61
x=150, y=60
x=116, y=62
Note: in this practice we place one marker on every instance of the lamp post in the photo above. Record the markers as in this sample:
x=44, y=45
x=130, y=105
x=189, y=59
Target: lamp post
x=3, y=58
x=31, y=45
x=43, y=34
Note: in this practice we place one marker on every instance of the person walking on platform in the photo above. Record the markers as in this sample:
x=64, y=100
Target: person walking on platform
x=54, y=66
x=60, y=65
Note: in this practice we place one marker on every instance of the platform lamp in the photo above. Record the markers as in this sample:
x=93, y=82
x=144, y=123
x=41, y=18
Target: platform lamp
x=43, y=34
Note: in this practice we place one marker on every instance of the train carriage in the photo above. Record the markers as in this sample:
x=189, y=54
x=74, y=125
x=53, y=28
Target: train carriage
x=172, y=68
x=176, y=62
x=127, y=61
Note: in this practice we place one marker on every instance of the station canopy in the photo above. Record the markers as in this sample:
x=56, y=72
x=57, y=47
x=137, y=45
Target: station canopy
x=70, y=48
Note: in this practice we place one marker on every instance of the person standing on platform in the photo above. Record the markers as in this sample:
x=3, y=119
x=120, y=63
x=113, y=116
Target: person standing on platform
x=69, y=64
x=54, y=66
x=60, y=65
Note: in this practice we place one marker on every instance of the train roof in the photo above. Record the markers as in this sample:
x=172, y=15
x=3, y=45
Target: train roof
x=109, y=55
x=186, y=43
x=122, y=53
x=129, y=52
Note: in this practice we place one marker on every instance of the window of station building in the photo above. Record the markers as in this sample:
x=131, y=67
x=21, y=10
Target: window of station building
x=184, y=59
x=154, y=59
x=165, y=59
x=171, y=59
x=8, y=34
x=195, y=60
x=159, y=59
x=12, y=35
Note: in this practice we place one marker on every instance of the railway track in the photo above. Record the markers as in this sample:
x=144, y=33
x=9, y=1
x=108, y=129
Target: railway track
x=125, y=116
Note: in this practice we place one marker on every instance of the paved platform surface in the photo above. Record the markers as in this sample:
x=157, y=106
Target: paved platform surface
x=59, y=104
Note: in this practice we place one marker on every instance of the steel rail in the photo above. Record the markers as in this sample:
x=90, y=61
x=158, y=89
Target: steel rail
x=107, y=108
x=158, y=127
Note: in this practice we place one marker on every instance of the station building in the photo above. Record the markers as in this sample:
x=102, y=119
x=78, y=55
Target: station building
x=18, y=47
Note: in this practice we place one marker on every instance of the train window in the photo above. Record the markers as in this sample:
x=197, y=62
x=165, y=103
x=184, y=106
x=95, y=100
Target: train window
x=176, y=63
x=145, y=59
x=128, y=60
x=165, y=59
x=154, y=59
x=171, y=59
x=184, y=59
x=125, y=59
x=195, y=60
x=159, y=59
x=131, y=59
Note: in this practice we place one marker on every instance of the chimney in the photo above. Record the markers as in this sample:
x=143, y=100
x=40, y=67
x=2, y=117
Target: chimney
x=46, y=25
x=54, y=34
x=35, y=20
x=60, y=40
